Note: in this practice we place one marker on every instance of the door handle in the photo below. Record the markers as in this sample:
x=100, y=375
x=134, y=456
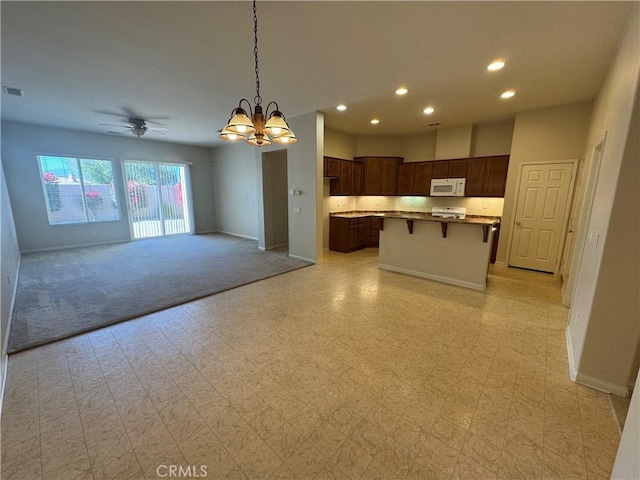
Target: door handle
x=518, y=223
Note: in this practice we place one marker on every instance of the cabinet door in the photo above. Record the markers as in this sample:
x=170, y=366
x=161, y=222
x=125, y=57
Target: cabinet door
x=372, y=176
x=389, y=174
x=374, y=231
x=332, y=167
x=406, y=175
x=363, y=232
x=440, y=169
x=346, y=171
x=422, y=178
x=495, y=178
x=339, y=234
x=457, y=168
x=379, y=175
x=475, y=177
x=353, y=234
x=357, y=177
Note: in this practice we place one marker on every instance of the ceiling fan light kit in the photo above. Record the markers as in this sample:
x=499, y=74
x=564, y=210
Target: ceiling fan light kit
x=253, y=128
x=137, y=126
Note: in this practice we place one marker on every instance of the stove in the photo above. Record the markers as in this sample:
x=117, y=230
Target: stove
x=449, y=212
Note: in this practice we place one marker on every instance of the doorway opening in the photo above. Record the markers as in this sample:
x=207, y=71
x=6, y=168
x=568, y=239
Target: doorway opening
x=157, y=199
x=275, y=198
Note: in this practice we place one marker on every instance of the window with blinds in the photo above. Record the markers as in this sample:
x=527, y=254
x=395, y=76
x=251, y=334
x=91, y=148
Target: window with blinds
x=78, y=190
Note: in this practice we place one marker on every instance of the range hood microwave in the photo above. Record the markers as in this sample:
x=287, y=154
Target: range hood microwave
x=448, y=187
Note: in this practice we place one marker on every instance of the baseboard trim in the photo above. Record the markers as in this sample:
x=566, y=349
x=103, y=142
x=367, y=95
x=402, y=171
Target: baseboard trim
x=298, y=257
x=500, y=264
x=438, y=278
x=588, y=380
x=3, y=378
x=5, y=358
x=573, y=371
x=602, y=385
x=80, y=245
x=239, y=235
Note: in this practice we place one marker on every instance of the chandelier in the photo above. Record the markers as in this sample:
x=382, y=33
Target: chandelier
x=254, y=129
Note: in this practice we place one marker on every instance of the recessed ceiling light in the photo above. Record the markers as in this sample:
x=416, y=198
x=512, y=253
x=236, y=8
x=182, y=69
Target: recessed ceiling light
x=428, y=110
x=341, y=108
x=497, y=65
x=401, y=91
x=507, y=94
x=375, y=121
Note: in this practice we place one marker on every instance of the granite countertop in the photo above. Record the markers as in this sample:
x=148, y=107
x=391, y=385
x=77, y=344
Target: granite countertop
x=420, y=216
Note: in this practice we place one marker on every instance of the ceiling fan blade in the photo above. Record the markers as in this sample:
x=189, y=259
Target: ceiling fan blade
x=157, y=128
x=156, y=131
x=112, y=125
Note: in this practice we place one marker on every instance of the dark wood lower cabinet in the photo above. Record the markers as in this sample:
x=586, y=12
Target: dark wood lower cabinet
x=349, y=234
x=374, y=231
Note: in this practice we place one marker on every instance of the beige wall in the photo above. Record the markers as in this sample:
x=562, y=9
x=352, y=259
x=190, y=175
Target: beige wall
x=492, y=138
x=454, y=142
x=339, y=144
x=380, y=146
x=603, y=329
x=555, y=133
x=235, y=178
x=419, y=148
x=627, y=464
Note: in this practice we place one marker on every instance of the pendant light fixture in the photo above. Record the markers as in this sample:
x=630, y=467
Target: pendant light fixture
x=254, y=129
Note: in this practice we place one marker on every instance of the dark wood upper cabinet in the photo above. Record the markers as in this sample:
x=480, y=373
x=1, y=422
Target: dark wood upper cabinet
x=357, y=178
x=487, y=176
x=475, y=177
x=495, y=178
x=379, y=175
x=440, y=169
x=346, y=173
x=406, y=178
x=422, y=178
x=332, y=167
x=449, y=168
x=457, y=168
x=346, y=176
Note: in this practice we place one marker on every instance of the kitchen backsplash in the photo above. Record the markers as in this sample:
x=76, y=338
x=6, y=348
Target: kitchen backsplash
x=474, y=205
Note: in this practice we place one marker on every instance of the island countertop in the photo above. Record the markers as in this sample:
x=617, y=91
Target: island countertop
x=420, y=216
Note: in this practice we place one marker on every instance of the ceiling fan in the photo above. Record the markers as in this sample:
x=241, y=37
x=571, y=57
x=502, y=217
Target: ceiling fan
x=138, y=127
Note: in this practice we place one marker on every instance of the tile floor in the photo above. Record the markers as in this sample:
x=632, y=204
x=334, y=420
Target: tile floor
x=336, y=371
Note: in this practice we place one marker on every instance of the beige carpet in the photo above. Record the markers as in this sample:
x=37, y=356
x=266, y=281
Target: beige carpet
x=67, y=292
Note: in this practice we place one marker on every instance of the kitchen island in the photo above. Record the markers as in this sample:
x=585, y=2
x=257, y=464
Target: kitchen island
x=450, y=250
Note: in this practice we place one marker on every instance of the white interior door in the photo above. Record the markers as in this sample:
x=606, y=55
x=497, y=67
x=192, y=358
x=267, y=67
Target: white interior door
x=541, y=210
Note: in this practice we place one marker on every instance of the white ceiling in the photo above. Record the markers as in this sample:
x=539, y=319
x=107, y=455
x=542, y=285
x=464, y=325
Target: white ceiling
x=185, y=65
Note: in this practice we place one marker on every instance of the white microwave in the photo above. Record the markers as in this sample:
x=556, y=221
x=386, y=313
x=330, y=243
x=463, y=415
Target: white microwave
x=448, y=187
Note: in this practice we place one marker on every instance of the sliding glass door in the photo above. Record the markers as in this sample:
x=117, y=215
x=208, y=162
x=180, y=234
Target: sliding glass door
x=157, y=198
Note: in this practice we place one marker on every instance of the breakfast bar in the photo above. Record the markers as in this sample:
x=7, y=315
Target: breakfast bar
x=450, y=250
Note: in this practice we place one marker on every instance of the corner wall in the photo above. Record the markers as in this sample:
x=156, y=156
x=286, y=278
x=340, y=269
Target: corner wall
x=9, y=267
x=603, y=330
x=239, y=189
x=236, y=181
